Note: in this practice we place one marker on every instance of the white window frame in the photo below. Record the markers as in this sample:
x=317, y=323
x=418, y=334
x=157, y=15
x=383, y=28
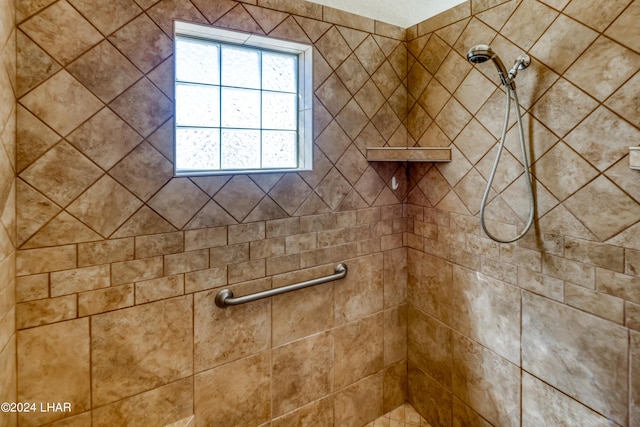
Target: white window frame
x=305, y=90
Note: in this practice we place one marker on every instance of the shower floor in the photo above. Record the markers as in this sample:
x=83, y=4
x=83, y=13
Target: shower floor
x=402, y=416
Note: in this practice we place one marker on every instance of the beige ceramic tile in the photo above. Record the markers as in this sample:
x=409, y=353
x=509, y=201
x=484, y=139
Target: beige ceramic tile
x=105, y=252
x=318, y=413
x=142, y=31
x=62, y=174
x=105, y=138
x=429, y=346
x=143, y=171
x=429, y=286
x=603, y=67
x=107, y=17
x=104, y=71
x=523, y=30
x=105, y=206
x=482, y=379
x=302, y=372
x=62, y=31
x=304, y=312
x=223, y=335
x=395, y=385
x=131, y=361
x=218, y=393
x=360, y=293
x=359, y=350
x=79, y=280
x=159, y=406
x=599, y=380
x=143, y=107
x=102, y=300
x=602, y=197
x=428, y=397
x=544, y=405
x=54, y=367
x=157, y=289
x=360, y=403
x=622, y=29
x=42, y=312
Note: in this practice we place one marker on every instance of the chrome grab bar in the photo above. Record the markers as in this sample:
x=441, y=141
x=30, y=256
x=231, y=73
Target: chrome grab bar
x=225, y=297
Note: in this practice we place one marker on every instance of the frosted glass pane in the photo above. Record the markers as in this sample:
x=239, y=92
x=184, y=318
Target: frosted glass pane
x=279, y=72
x=197, y=149
x=240, y=149
x=197, y=105
x=197, y=61
x=279, y=149
x=240, y=67
x=279, y=111
x=240, y=108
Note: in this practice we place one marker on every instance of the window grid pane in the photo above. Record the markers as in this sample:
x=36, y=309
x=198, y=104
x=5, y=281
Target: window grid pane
x=254, y=89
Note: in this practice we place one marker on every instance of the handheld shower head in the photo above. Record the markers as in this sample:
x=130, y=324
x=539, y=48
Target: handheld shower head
x=483, y=52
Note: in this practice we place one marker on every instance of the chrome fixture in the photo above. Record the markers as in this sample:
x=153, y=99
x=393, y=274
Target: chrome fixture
x=225, y=297
x=477, y=55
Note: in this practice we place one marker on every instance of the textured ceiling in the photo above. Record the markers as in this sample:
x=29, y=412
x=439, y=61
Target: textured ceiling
x=403, y=13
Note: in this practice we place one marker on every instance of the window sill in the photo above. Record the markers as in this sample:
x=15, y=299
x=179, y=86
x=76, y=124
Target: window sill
x=410, y=154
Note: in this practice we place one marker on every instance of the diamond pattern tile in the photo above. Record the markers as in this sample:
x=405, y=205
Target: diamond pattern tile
x=145, y=221
x=109, y=15
x=453, y=71
x=333, y=141
x=562, y=171
x=563, y=107
x=598, y=18
x=61, y=174
x=474, y=141
x=34, y=138
x=524, y=31
x=370, y=55
x=33, y=211
x=587, y=138
x=333, y=47
x=434, y=52
x=602, y=199
x=624, y=29
x=603, y=68
x=333, y=94
x=62, y=103
x=142, y=31
x=333, y=188
x=61, y=31
x=143, y=107
x=104, y=71
x=143, y=171
x=105, y=138
x=64, y=229
x=370, y=98
x=178, y=201
x=386, y=79
x=562, y=43
x=352, y=74
x=165, y=11
x=34, y=65
x=290, y=192
x=370, y=185
x=105, y=206
x=211, y=215
x=470, y=190
x=625, y=100
x=239, y=196
x=352, y=119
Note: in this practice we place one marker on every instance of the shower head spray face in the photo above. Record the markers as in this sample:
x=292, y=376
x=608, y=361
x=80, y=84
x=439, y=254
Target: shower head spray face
x=481, y=53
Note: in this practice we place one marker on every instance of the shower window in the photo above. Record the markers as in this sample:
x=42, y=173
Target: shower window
x=243, y=103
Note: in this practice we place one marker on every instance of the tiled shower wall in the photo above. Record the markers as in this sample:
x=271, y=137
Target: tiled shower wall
x=544, y=331
x=119, y=263
x=7, y=206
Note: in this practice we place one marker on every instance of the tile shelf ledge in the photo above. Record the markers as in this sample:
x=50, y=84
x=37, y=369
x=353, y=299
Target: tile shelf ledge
x=409, y=154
